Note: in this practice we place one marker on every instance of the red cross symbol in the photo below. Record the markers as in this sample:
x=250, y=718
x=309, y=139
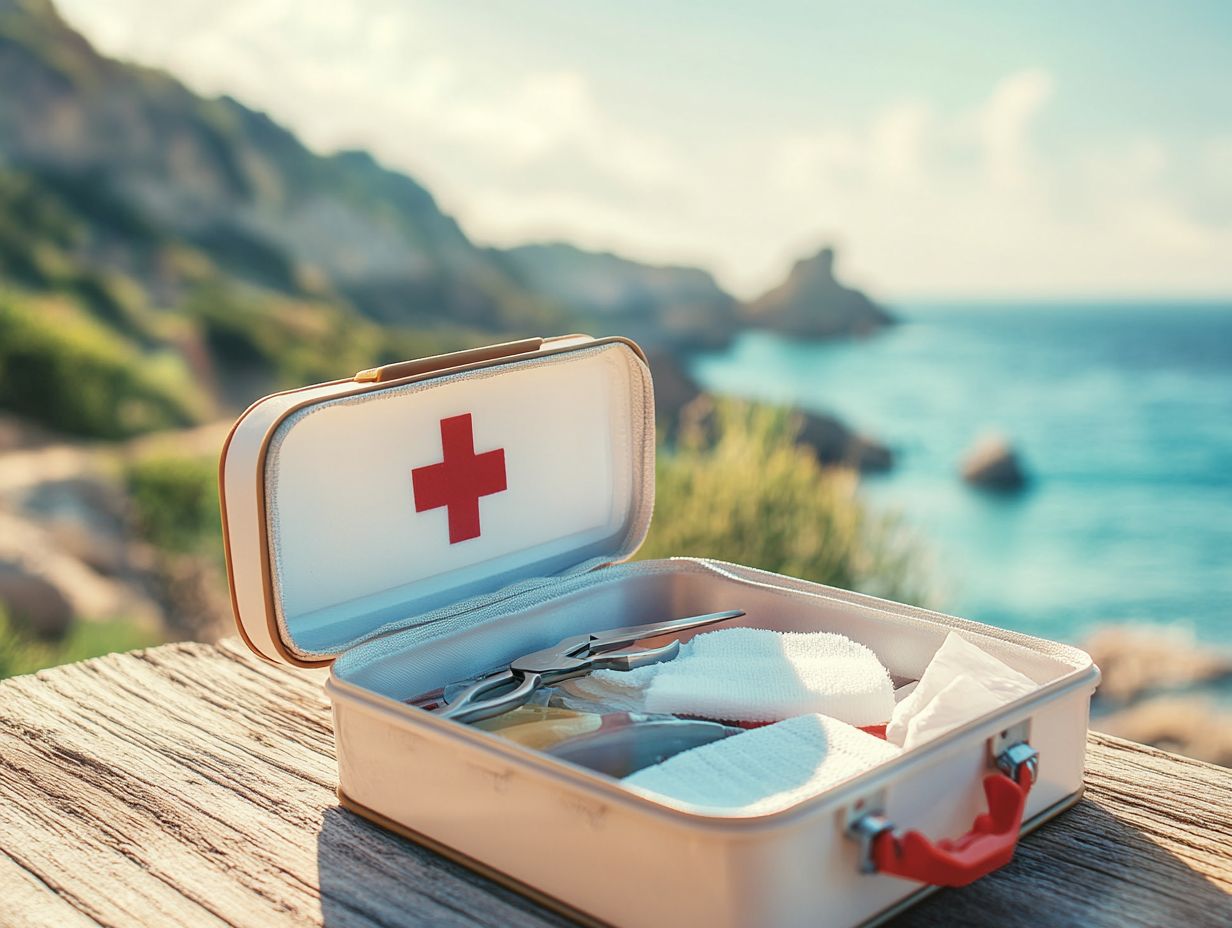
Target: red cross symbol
x=458, y=481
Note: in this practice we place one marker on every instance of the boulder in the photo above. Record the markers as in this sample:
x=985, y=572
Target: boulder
x=32, y=549
x=831, y=442
x=992, y=464
x=33, y=603
x=836, y=445
x=86, y=517
x=680, y=402
x=17, y=433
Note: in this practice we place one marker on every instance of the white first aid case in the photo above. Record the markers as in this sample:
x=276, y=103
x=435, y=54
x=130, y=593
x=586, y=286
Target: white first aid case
x=425, y=522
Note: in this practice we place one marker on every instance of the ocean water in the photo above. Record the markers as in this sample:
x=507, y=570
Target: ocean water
x=1122, y=415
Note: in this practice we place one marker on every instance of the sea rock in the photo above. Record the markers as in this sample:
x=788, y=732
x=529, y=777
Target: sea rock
x=33, y=603
x=992, y=464
x=830, y=441
x=811, y=303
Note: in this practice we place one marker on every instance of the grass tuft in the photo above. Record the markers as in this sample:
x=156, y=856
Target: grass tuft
x=744, y=491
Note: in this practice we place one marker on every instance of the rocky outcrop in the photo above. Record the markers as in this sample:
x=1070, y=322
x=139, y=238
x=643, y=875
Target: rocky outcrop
x=70, y=551
x=33, y=603
x=992, y=464
x=811, y=303
x=1137, y=661
x=87, y=518
x=1194, y=726
x=41, y=578
x=1159, y=686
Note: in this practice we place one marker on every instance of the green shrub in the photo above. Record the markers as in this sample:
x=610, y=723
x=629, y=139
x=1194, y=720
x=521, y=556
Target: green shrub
x=45, y=238
x=742, y=490
x=175, y=503
x=19, y=653
x=299, y=341
x=70, y=373
x=34, y=230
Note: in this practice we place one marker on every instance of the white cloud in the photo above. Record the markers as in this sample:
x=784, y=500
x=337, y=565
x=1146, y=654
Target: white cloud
x=897, y=144
x=923, y=199
x=1005, y=125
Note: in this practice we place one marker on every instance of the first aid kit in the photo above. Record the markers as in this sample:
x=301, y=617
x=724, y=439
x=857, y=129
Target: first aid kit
x=462, y=526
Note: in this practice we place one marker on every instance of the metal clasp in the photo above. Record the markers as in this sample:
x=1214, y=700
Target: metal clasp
x=1017, y=759
x=1013, y=755
x=864, y=831
x=863, y=820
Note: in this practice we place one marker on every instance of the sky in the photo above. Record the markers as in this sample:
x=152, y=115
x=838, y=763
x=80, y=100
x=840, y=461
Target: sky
x=949, y=149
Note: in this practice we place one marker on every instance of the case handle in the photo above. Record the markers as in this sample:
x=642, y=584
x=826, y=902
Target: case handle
x=988, y=846
x=442, y=362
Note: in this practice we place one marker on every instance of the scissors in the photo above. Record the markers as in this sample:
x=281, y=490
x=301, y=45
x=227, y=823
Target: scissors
x=572, y=657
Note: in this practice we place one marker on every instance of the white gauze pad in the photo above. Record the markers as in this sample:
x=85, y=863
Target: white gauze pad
x=766, y=769
x=961, y=682
x=755, y=675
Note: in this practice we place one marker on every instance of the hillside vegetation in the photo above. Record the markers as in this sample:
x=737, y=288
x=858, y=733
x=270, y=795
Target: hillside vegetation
x=165, y=259
x=86, y=349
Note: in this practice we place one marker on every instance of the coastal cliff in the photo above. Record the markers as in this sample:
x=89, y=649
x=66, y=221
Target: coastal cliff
x=176, y=192
x=660, y=306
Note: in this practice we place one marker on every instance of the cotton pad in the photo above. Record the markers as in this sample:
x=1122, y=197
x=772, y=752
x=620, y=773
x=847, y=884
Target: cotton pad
x=765, y=769
x=961, y=682
x=755, y=675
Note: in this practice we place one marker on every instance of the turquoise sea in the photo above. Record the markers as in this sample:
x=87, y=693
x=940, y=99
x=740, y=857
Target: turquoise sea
x=1122, y=414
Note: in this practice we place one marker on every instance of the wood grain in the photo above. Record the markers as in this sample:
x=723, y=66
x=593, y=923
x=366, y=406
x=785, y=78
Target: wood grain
x=192, y=784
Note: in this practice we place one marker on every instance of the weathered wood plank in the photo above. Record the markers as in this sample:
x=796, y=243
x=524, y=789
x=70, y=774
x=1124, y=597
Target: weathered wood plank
x=192, y=784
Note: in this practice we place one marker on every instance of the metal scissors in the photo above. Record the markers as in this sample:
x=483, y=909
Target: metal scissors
x=571, y=657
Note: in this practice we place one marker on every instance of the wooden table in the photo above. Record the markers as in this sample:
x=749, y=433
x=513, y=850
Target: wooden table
x=191, y=784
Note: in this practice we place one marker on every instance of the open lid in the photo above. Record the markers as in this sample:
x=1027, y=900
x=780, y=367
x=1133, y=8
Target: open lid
x=382, y=502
